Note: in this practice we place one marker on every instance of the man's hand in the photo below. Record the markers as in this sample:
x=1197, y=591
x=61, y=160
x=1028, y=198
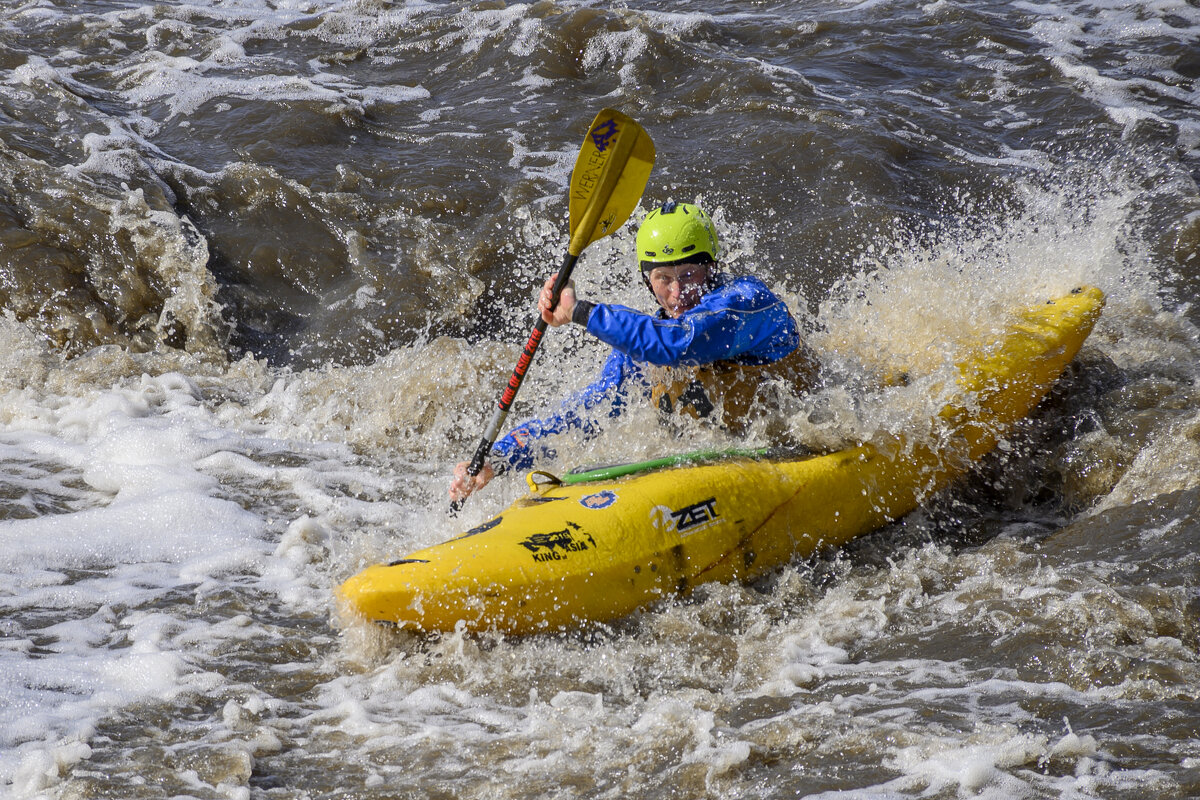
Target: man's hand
x=561, y=314
x=464, y=485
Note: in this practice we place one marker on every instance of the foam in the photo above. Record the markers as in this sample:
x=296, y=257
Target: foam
x=154, y=523
x=1127, y=90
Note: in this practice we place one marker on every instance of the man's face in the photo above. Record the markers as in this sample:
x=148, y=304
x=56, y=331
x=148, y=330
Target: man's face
x=678, y=288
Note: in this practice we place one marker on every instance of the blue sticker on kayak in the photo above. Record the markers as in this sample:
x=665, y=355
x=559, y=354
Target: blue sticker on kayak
x=598, y=500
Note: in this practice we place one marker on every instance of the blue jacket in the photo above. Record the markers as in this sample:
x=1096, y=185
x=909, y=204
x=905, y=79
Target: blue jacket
x=738, y=320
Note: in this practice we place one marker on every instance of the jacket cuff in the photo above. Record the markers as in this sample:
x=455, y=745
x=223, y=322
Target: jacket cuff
x=581, y=312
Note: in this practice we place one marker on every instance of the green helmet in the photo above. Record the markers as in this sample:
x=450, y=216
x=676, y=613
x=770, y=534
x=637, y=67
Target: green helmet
x=677, y=233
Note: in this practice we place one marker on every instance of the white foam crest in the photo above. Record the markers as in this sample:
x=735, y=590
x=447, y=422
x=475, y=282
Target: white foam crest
x=162, y=514
x=478, y=27
x=553, y=167
x=410, y=701
x=853, y=6
x=823, y=661
x=1117, y=96
x=37, y=70
x=616, y=47
x=183, y=85
x=684, y=23
x=138, y=446
x=186, y=525
x=161, y=73
x=982, y=765
x=179, y=254
x=1169, y=463
x=166, y=246
x=1128, y=88
x=91, y=667
x=24, y=357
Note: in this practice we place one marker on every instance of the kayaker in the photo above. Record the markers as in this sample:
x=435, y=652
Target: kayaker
x=715, y=340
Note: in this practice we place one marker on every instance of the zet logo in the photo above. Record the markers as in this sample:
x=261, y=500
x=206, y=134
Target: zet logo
x=687, y=520
x=603, y=134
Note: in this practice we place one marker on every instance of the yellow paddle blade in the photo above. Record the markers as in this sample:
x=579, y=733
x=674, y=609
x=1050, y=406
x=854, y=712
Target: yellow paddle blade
x=609, y=177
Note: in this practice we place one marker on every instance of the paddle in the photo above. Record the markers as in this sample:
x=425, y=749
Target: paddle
x=610, y=174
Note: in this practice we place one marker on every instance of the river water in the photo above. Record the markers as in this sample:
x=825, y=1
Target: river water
x=266, y=264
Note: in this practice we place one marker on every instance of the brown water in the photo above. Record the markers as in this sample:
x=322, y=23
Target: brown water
x=265, y=265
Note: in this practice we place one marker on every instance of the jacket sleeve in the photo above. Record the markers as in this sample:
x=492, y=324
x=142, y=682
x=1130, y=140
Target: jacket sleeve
x=519, y=448
x=742, y=321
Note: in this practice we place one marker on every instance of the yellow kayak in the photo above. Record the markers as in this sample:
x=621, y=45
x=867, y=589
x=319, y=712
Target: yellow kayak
x=574, y=552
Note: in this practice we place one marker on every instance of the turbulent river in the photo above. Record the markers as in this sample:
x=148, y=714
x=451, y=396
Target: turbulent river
x=265, y=265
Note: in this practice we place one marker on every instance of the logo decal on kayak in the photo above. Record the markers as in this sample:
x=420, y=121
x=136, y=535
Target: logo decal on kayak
x=687, y=520
x=558, y=545
x=598, y=500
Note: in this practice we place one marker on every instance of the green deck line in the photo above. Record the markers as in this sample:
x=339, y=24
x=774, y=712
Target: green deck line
x=619, y=470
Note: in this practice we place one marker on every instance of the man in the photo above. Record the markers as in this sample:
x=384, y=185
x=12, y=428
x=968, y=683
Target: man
x=715, y=340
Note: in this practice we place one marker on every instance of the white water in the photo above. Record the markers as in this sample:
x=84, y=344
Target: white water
x=176, y=525
x=159, y=493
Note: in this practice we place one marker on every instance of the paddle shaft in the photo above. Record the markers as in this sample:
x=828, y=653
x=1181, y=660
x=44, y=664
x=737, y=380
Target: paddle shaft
x=607, y=181
x=518, y=375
